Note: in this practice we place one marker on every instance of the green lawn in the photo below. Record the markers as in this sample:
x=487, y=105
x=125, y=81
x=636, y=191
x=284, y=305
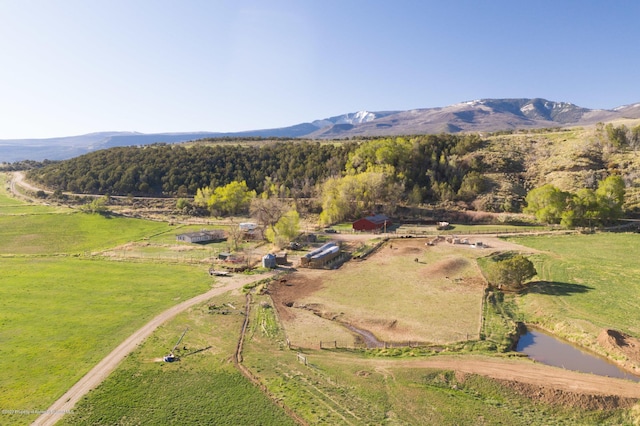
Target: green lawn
x=62, y=310
x=74, y=233
x=60, y=316
x=203, y=388
x=591, y=282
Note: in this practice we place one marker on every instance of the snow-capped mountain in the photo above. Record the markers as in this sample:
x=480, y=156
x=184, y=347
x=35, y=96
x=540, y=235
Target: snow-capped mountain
x=481, y=115
x=350, y=118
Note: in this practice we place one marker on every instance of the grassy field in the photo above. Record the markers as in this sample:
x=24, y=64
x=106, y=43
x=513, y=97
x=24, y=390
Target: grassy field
x=590, y=282
x=436, y=299
x=60, y=316
x=62, y=309
x=345, y=387
x=61, y=313
x=203, y=388
x=75, y=233
x=13, y=206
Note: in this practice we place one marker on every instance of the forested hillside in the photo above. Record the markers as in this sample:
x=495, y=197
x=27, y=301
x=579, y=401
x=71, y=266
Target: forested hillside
x=170, y=170
x=429, y=162
x=492, y=172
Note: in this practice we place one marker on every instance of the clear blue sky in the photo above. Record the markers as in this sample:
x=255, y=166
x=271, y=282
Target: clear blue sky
x=71, y=67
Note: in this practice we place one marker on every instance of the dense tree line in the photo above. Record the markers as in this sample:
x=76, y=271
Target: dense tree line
x=383, y=172
x=621, y=136
x=179, y=170
x=428, y=167
x=586, y=207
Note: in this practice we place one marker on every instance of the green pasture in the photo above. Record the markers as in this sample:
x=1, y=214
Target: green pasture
x=73, y=233
x=203, y=387
x=587, y=283
x=493, y=229
x=13, y=206
x=59, y=316
x=347, y=387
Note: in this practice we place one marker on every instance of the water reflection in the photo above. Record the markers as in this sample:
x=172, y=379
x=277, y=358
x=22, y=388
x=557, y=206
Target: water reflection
x=548, y=350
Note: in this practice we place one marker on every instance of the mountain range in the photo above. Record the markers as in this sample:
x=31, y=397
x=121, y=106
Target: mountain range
x=484, y=115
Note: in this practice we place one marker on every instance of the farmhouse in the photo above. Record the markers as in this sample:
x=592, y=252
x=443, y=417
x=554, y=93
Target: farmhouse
x=372, y=223
x=201, y=236
x=250, y=230
x=247, y=226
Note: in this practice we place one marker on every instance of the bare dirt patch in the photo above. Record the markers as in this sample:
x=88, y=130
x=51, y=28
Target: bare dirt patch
x=538, y=381
x=553, y=396
x=287, y=291
x=410, y=250
x=446, y=267
x=621, y=344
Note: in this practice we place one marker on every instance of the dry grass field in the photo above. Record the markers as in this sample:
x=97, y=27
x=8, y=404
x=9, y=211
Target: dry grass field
x=405, y=292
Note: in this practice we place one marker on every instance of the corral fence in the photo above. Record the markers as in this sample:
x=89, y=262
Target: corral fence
x=341, y=344
x=356, y=345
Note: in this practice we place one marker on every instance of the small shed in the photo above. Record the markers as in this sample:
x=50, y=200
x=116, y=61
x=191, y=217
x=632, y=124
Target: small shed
x=224, y=255
x=372, y=223
x=281, y=258
x=269, y=261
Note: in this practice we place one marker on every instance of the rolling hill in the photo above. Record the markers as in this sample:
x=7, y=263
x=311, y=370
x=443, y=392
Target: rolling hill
x=485, y=115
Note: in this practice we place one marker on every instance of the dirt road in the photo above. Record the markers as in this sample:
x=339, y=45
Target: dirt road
x=17, y=180
x=540, y=377
x=532, y=373
x=100, y=372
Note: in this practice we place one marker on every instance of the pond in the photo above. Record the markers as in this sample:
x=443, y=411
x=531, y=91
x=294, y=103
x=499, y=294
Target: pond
x=548, y=350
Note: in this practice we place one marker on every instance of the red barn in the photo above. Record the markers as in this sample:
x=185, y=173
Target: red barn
x=372, y=223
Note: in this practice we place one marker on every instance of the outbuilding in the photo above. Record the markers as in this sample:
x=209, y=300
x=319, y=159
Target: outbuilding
x=269, y=261
x=372, y=223
x=201, y=236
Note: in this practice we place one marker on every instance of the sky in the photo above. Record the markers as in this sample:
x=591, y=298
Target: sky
x=71, y=67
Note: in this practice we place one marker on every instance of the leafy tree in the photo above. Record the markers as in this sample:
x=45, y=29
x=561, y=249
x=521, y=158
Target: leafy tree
x=586, y=207
x=393, y=153
x=610, y=197
x=617, y=135
x=267, y=211
x=511, y=272
x=183, y=204
x=547, y=203
x=287, y=228
x=473, y=183
x=97, y=205
x=358, y=194
x=230, y=199
x=201, y=199
x=634, y=137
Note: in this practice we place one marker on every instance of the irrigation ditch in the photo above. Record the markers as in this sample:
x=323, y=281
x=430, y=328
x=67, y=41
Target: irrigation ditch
x=237, y=361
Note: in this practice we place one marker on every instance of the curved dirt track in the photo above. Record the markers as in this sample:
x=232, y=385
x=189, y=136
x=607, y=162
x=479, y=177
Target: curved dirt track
x=100, y=372
x=534, y=374
x=517, y=370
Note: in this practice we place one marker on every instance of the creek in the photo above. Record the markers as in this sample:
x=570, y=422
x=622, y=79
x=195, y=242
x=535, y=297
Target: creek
x=548, y=350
